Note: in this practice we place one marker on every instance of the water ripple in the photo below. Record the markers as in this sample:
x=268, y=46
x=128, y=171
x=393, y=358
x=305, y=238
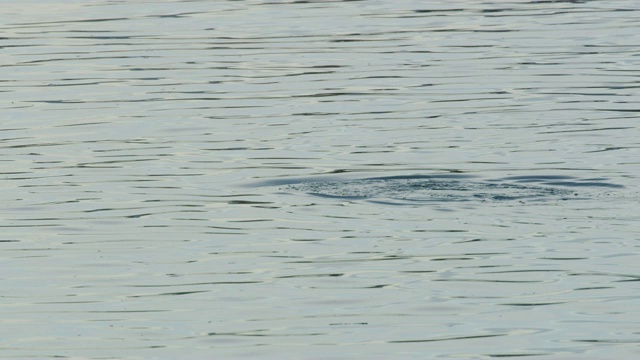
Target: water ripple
x=130, y=130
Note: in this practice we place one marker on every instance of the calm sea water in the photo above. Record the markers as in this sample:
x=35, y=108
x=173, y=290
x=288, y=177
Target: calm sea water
x=319, y=179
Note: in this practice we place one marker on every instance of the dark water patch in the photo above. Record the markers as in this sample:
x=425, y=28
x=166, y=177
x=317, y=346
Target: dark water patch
x=564, y=181
x=585, y=184
x=445, y=338
x=394, y=190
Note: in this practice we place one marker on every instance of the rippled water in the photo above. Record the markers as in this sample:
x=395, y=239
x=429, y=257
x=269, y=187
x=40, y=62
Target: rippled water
x=319, y=179
x=447, y=188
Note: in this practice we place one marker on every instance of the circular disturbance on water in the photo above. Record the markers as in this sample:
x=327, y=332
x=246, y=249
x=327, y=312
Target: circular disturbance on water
x=429, y=189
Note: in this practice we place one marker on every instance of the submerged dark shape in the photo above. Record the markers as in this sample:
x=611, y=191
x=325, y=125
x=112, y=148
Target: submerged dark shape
x=452, y=187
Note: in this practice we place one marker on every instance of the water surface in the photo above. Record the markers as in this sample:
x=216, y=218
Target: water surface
x=162, y=161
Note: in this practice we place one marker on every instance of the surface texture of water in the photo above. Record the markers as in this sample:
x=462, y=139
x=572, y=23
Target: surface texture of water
x=447, y=188
x=477, y=166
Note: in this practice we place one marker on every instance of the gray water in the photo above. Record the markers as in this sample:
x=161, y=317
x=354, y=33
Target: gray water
x=319, y=179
